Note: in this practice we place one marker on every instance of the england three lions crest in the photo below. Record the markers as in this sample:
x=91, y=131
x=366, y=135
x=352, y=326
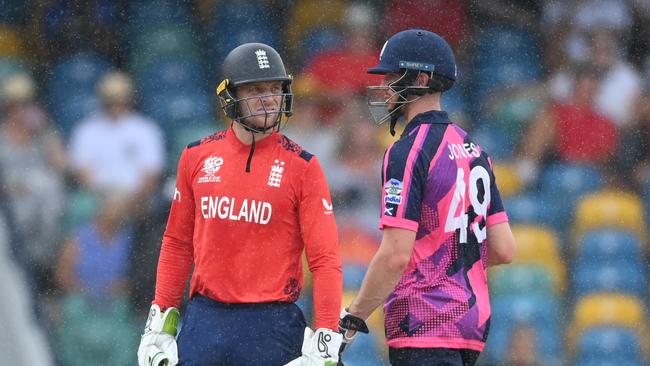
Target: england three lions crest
x=275, y=176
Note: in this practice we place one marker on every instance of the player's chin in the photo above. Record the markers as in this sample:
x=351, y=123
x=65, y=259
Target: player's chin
x=264, y=121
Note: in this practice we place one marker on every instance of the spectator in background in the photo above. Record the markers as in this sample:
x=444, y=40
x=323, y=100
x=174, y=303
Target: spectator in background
x=21, y=340
x=92, y=271
x=32, y=163
x=619, y=82
x=310, y=132
x=570, y=131
x=404, y=14
x=633, y=155
x=521, y=14
x=523, y=347
x=342, y=71
x=58, y=28
x=357, y=162
x=117, y=148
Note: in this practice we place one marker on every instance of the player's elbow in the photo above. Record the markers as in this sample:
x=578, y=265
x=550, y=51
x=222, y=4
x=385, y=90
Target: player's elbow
x=501, y=244
x=398, y=262
x=507, y=255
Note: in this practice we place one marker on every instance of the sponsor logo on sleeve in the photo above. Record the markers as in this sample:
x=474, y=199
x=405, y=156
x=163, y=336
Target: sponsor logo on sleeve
x=211, y=166
x=393, y=190
x=177, y=195
x=328, y=207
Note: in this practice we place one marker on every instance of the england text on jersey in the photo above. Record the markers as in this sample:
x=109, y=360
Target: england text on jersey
x=228, y=208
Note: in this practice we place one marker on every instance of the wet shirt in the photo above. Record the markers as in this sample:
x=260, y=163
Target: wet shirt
x=438, y=183
x=245, y=232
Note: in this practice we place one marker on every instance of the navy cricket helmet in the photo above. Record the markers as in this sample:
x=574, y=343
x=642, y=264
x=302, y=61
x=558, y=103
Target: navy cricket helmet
x=420, y=50
x=252, y=63
x=408, y=54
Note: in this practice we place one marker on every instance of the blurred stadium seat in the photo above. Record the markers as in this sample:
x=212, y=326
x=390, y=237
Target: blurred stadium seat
x=181, y=74
x=507, y=178
x=564, y=183
x=177, y=109
x=511, y=110
x=170, y=41
x=319, y=40
x=570, y=180
x=616, y=360
x=235, y=23
x=219, y=44
x=603, y=342
x=184, y=135
x=14, y=11
x=494, y=141
x=608, y=245
x=521, y=279
x=606, y=309
x=532, y=208
x=76, y=74
x=622, y=277
x=151, y=13
x=506, y=56
x=306, y=15
x=11, y=43
x=537, y=244
x=68, y=112
x=71, y=94
x=609, y=209
x=539, y=311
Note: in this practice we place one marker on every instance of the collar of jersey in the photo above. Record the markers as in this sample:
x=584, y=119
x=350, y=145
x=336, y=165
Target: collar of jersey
x=429, y=117
x=236, y=143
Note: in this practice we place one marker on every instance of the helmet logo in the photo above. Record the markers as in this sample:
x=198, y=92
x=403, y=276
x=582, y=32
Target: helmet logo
x=262, y=60
x=382, y=50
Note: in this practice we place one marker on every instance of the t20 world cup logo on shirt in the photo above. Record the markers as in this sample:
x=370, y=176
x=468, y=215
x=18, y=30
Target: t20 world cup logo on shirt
x=211, y=166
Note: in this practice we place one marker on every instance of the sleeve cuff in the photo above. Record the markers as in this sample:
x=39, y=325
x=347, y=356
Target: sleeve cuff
x=497, y=218
x=388, y=221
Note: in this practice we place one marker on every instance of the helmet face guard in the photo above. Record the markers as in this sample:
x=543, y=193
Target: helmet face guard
x=386, y=101
x=239, y=109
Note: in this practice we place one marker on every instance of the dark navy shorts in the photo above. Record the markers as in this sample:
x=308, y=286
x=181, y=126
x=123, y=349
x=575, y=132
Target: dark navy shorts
x=219, y=334
x=432, y=357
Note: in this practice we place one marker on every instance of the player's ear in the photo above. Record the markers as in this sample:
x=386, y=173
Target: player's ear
x=422, y=79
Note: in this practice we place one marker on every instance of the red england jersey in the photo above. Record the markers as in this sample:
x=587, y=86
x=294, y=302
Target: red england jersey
x=245, y=232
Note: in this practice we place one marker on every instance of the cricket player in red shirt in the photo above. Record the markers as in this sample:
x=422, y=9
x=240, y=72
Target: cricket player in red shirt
x=247, y=202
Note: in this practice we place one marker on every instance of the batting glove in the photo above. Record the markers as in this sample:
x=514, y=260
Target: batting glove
x=349, y=325
x=158, y=343
x=319, y=349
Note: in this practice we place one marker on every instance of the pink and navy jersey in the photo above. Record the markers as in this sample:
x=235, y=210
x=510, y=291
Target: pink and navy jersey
x=438, y=183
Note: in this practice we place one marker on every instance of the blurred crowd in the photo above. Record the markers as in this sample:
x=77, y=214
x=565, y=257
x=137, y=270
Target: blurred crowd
x=98, y=98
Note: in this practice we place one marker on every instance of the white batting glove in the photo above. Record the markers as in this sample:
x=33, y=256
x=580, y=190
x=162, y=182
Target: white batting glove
x=319, y=349
x=158, y=343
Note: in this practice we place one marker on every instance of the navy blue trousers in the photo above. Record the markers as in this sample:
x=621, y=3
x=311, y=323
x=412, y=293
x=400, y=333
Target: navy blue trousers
x=218, y=334
x=432, y=357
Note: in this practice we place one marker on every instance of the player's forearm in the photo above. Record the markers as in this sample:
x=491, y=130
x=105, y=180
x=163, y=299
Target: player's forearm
x=383, y=274
x=174, y=266
x=328, y=288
